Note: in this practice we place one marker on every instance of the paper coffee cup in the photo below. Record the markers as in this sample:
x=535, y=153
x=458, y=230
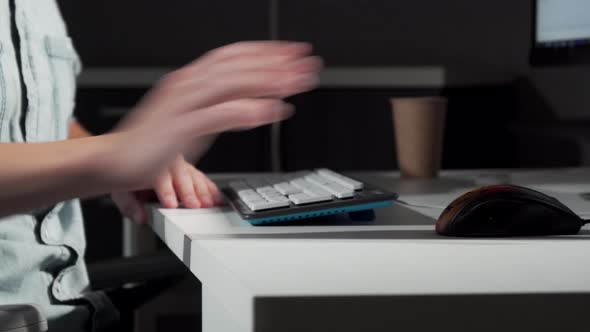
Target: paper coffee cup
x=419, y=124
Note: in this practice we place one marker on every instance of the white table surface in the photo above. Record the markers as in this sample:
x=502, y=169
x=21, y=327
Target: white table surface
x=398, y=255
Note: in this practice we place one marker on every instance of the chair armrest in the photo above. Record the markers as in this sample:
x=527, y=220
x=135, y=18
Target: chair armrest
x=22, y=318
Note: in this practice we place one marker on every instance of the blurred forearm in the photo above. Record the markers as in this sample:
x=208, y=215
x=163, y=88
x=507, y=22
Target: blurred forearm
x=33, y=175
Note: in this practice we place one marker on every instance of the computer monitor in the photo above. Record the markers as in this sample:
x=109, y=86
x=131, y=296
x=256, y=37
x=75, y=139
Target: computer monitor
x=561, y=32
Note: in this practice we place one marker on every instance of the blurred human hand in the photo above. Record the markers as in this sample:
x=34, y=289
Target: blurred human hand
x=180, y=183
x=237, y=86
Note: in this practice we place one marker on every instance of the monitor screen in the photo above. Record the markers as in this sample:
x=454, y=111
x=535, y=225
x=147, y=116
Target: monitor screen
x=563, y=22
x=561, y=32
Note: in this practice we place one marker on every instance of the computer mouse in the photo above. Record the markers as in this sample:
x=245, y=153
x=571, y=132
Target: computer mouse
x=507, y=210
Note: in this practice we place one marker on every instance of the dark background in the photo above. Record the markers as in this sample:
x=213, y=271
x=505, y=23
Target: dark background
x=506, y=114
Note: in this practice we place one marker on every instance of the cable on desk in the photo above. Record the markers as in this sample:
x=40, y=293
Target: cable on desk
x=428, y=206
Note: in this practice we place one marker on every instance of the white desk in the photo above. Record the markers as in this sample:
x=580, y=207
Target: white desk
x=394, y=273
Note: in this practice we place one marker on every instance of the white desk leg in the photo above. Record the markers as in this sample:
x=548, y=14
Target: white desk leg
x=215, y=316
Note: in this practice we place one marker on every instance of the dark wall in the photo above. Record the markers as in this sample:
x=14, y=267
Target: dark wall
x=418, y=32
x=159, y=33
x=464, y=36
x=351, y=129
x=345, y=32
x=488, y=37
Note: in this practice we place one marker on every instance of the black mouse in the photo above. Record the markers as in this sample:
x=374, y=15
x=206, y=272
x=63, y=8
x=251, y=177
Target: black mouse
x=507, y=210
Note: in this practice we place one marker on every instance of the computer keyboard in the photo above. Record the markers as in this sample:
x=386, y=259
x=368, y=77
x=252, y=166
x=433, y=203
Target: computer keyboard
x=299, y=195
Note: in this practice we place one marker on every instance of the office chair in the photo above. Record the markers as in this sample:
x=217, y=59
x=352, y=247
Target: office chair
x=22, y=318
x=133, y=281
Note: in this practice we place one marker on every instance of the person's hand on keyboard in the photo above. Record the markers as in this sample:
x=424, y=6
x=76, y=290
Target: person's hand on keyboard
x=234, y=87
x=180, y=183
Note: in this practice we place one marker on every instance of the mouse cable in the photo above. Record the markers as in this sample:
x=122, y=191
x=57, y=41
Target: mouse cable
x=428, y=206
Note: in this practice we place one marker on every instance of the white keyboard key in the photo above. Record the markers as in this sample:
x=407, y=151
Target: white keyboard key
x=256, y=206
x=278, y=199
x=303, y=198
x=311, y=189
x=317, y=192
x=317, y=179
x=286, y=188
x=252, y=199
x=268, y=192
x=299, y=183
x=334, y=188
x=337, y=190
x=340, y=179
x=268, y=196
